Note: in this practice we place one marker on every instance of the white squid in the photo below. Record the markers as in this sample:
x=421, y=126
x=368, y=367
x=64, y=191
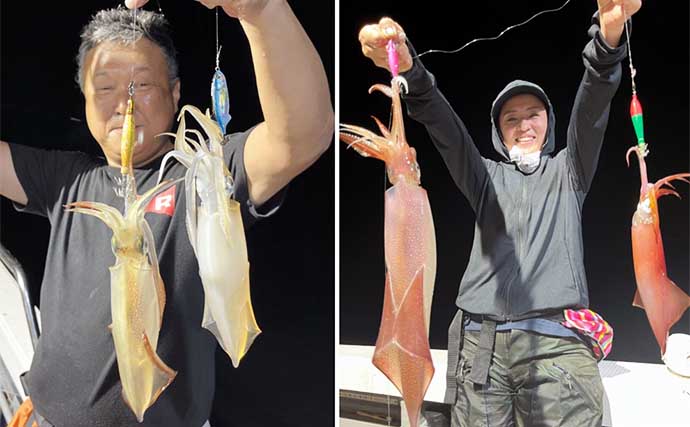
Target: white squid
x=217, y=235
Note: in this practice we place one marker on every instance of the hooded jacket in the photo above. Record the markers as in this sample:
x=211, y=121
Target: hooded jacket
x=527, y=253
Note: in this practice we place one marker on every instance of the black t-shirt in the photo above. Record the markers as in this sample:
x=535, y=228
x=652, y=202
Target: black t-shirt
x=74, y=379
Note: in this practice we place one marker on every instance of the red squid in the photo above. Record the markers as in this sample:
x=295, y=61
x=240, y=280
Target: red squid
x=662, y=300
x=402, y=348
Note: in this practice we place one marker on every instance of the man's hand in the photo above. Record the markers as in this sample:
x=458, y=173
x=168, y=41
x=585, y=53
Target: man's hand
x=131, y=4
x=242, y=9
x=374, y=38
x=612, y=16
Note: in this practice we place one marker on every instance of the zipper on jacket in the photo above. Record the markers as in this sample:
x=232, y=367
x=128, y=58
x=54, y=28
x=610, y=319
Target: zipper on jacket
x=518, y=245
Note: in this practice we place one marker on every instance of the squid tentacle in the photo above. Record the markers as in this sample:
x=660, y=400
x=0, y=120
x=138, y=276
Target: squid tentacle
x=191, y=218
x=108, y=214
x=152, y=255
x=363, y=146
x=185, y=159
x=139, y=207
x=666, y=192
x=200, y=143
x=667, y=180
x=384, y=130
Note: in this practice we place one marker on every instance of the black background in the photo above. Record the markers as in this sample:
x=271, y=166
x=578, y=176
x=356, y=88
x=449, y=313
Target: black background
x=548, y=52
x=287, y=377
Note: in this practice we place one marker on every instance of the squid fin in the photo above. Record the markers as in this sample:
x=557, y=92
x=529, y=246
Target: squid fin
x=232, y=323
x=138, y=414
x=402, y=347
x=163, y=374
x=637, y=300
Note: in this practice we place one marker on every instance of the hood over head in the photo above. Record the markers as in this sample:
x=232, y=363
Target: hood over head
x=518, y=87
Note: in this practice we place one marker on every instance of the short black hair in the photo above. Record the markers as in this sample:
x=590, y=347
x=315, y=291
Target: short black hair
x=117, y=25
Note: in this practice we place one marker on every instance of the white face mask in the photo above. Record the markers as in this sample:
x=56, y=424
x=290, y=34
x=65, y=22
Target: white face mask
x=527, y=163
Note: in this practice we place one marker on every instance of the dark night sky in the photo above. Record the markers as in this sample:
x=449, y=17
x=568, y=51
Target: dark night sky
x=291, y=254
x=548, y=52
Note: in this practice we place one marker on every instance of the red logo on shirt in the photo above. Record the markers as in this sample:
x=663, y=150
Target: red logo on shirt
x=163, y=203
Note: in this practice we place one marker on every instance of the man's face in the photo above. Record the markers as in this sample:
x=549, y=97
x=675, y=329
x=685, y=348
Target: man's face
x=523, y=122
x=107, y=72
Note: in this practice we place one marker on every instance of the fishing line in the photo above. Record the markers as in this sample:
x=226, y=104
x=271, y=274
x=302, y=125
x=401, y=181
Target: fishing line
x=218, y=46
x=496, y=37
x=130, y=89
x=633, y=71
x=636, y=113
x=220, y=98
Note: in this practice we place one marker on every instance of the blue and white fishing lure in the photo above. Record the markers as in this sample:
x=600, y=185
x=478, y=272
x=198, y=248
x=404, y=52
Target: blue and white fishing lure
x=220, y=100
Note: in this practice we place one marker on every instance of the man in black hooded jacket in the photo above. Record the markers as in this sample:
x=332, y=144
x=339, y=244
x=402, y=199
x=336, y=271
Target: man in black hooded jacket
x=511, y=360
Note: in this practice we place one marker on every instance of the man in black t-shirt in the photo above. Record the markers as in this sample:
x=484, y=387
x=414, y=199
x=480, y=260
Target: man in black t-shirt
x=73, y=379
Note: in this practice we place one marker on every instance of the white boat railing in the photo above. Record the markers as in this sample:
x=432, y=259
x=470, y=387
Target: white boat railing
x=19, y=330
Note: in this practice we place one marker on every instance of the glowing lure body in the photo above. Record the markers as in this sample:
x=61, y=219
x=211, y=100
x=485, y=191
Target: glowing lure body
x=402, y=347
x=126, y=185
x=216, y=234
x=220, y=100
x=127, y=139
x=637, y=119
x=392, y=58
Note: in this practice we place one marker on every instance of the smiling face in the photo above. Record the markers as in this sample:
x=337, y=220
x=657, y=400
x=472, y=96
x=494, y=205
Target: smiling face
x=107, y=73
x=523, y=122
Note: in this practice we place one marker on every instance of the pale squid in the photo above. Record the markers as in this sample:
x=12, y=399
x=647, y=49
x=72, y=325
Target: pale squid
x=402, y=348
x=662, y=300
x=216, y=234
x=137, y=293
x=137, y=298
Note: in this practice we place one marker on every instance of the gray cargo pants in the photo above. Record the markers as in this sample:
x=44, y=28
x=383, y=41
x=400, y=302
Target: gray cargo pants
x=534, y=380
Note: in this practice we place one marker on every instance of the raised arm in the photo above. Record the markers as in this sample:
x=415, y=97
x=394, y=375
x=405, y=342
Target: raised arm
x=293, y=92
x=602, y=57
x=9, y=183
x=427, y=105
x=294, y=96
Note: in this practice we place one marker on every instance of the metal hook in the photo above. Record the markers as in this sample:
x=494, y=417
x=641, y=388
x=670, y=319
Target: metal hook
x=218, y=57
